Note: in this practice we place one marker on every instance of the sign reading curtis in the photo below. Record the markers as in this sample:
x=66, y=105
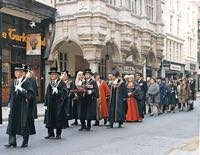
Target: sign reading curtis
x=33, y=44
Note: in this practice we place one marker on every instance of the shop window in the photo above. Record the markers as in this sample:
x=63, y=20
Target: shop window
x=63, y=61
x=5, y=74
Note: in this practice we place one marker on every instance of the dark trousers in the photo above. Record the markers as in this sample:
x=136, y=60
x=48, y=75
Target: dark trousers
x=83, y=124
x=13, y=139
x=51, y=131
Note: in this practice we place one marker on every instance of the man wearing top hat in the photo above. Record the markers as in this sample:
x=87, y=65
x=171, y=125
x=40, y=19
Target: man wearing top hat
x=65, y=76
x=87, y=109
x=55, y=115
x=19, y=106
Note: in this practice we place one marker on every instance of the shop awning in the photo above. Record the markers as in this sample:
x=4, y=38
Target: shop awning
x=29, y=7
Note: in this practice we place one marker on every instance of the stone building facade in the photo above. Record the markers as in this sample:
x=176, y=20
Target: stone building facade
x=106, y=34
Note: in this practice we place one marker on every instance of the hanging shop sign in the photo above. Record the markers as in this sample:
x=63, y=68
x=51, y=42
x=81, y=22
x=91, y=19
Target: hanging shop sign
x=175, y=67
x=11, y=34
x=129, y=70
x=33, y=44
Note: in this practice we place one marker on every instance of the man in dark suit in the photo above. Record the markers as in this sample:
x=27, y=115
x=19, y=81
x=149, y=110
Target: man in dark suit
x=143, y=89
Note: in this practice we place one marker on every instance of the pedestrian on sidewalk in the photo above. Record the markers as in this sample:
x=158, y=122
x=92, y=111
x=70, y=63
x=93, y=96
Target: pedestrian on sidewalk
x=18, y=108
x=184, y=94
x=172, y=96
x=163, y=95
x=55, y=114
x=118, y=100
x=154, y=97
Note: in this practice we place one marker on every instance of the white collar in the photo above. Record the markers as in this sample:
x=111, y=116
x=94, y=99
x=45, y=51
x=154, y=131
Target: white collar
x=116, y=81
x=20, y=79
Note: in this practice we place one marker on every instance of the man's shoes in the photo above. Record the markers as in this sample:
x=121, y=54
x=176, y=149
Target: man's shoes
x=105, y=121
x=75, y=123
x=82, y=128
x=10, y=145
x=49, y=137
x=24, y=145
x=152, y=114
x=88, y=128
x=96, y=123
x=110, y=125
x=120, y=125
x=58, y=136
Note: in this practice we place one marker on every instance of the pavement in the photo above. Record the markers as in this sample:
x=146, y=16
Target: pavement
x=167, y=134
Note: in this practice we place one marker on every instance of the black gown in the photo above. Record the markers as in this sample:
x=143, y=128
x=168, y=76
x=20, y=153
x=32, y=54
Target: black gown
x=55, y=115
x=118, y=102
x=87, y=103
x=19, y=121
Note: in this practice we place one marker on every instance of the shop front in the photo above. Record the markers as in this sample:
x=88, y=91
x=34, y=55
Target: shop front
x=16, y=33
x=173, y=69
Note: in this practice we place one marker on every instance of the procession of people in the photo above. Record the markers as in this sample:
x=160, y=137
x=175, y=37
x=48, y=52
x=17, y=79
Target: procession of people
x=90, y=98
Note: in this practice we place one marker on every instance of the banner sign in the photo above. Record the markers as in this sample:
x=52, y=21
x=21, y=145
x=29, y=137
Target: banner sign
x=33, y=44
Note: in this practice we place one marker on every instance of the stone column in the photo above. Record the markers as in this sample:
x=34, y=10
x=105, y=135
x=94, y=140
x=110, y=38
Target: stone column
x=92, y=53
x=155, y=72
x=94, y=65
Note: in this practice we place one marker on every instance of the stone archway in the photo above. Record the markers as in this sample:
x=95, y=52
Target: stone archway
x=69, y=56
x=109, y=55
x=151, y=62
x=132, y=61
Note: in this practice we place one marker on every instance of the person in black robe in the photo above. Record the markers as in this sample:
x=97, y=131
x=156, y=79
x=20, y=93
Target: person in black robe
x=118, y=100
x=143, y=90
x=33, y=101
x=19, y=109
x=65, y=76
x=87, y=107
x=55, y=114
x=1, y=121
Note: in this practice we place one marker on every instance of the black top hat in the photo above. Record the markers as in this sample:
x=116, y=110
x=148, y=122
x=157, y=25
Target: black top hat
x=115, y=73
x=88, y=71
x=66, y=72
x=20, y=67
x=54, y=70
x=138, y=74
x=27, y=68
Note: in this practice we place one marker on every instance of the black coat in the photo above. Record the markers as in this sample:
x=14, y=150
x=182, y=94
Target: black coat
x=69, y=100
x=20, y=115
x=143, y=89
x=55, y=115
x=0, y=109
x=33, y=101
x=118, y=102
x=87, y=103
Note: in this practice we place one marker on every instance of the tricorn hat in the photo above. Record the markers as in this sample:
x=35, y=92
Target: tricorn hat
x=88, y=71
x=54, y=70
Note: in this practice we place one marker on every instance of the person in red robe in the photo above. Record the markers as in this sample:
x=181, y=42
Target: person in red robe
x=133, y=91
x=103, y=104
